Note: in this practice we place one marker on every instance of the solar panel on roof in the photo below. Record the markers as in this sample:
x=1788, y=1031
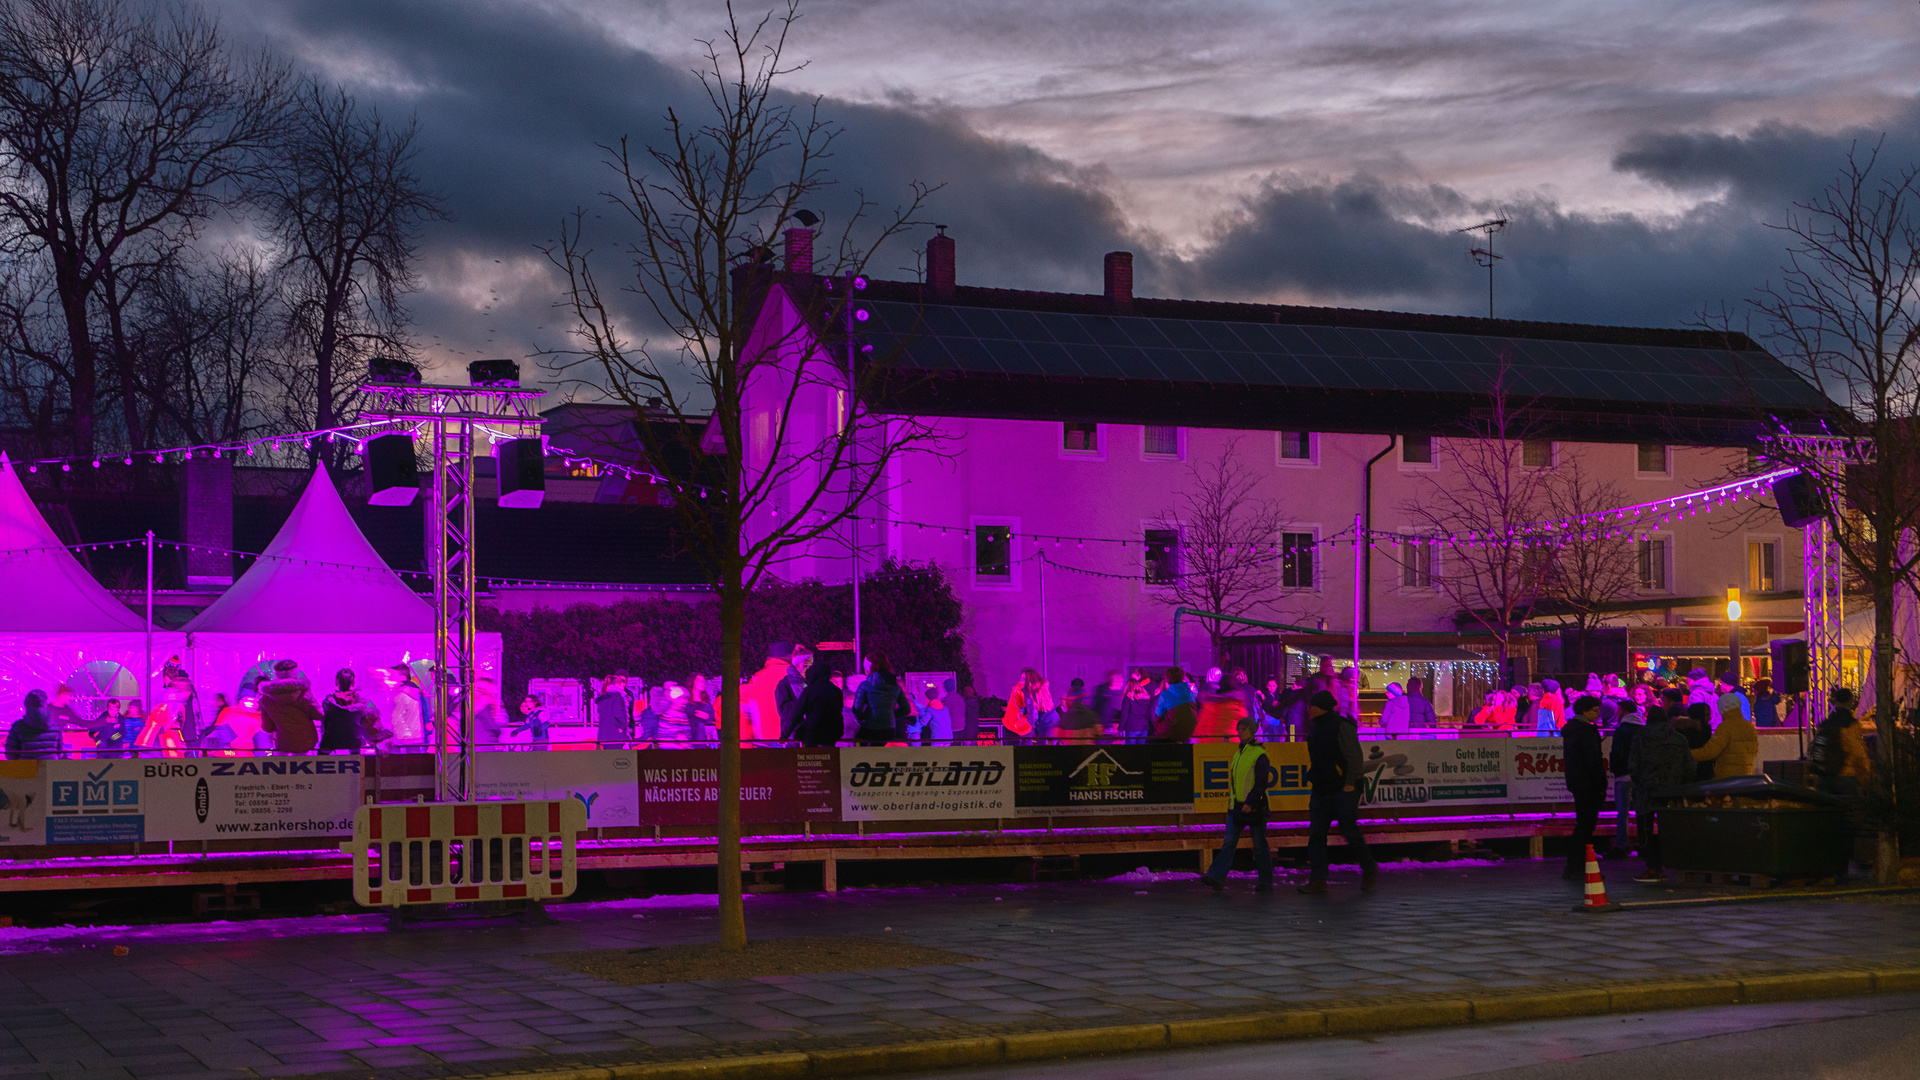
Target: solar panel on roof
x=1013, y=357
x=1144, y=333
x=1052, y=357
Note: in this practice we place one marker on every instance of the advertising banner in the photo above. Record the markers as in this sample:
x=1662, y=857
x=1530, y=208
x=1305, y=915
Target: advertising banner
x=1210, y=781
x=898, y=783
x=23, y=803
x=1420, y=772
x=1103, y=780
x=606, y=782
x=777, y=784
x=133, y=800
x=1536, y=771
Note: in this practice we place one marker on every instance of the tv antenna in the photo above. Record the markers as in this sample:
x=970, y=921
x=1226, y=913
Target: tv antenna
x=1484, y=256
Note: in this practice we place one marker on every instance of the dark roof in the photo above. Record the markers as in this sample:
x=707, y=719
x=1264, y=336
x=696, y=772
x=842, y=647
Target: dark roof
x=1031, y=355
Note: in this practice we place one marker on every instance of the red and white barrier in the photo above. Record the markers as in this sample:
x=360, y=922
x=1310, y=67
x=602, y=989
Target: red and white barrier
x=440, y=853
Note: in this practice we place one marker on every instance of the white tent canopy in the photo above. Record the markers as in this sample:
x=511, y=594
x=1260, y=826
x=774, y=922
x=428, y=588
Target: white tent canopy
x=319, y=575
x=45, y=588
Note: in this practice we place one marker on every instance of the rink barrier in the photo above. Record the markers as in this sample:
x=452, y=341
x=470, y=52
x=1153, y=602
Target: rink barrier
x=442, y=853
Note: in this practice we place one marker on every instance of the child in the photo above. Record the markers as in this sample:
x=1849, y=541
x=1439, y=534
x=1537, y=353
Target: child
x=931, y=725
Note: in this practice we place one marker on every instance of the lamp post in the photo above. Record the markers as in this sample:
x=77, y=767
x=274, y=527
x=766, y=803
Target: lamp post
x=1733, y=633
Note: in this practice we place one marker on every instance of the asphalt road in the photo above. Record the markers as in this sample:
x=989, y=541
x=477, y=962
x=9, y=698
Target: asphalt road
x=1864, y=1037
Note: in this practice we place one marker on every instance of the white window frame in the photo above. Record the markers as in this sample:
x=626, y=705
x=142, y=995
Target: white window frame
x=1101, y=434
x=1433, y=445
x=1666, y=570
x=1311, y=461
x=1012, y=584
x=1779, y=561
x=1319, y=561
x=1179, y=526
x=1553, y=454
x=1639, y=474
x=1433, y=564
x=1179, y=442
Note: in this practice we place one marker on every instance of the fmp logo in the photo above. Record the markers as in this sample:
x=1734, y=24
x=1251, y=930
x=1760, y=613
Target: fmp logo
x=98, y=793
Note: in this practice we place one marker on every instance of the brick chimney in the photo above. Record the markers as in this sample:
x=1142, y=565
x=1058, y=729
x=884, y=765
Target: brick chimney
x=940, y=264
x=799, y=251
x=206, y=518
x=1119, y=275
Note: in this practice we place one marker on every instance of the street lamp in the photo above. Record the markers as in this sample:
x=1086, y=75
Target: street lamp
x=1733, y=633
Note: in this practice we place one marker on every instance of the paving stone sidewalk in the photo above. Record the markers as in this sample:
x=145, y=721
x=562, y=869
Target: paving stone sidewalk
x=306, y=996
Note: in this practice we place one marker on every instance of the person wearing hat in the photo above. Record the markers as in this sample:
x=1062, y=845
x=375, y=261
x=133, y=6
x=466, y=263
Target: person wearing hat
x=288, y=711
x=1334, y=766
x=759, y=711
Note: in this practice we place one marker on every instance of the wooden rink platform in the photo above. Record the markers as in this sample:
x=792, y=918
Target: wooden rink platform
x=216, y=864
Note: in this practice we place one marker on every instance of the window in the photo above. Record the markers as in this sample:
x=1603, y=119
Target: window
x=1296, y=446
x=1080, y=438
x=1761, y=562
x=1416, y=449
x=1651, y=460
x=993, y=554
x=1296, y=560
x=1416, y=564
x=1160, y=442
x=1653, y=565
x=1163, y=556
x=1537, y=453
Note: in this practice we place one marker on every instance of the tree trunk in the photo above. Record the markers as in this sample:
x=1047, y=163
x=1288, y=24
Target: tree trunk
x=733, y=617
x=86, y=360
x=1886, y=714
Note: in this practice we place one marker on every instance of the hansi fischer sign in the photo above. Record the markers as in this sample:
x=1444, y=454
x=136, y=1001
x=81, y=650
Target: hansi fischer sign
x=1057, y=781
x=894, y=783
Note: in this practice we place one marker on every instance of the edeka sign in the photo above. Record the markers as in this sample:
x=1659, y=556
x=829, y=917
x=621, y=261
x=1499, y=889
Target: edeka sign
x=604, y=781
x=1061, y=781
x=1211, y=782
x=777, y=785
x=1536, y=770
x=900, y=783
x=1418, y=772
x=132, y=800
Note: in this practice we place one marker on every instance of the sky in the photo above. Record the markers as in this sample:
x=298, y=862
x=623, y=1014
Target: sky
x=1312, y=152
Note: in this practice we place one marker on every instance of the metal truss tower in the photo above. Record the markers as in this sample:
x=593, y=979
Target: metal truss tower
x=450, y=416
x=1825, y=611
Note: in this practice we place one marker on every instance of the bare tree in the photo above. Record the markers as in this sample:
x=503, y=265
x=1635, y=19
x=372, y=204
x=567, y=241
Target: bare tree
x=1481, y=504
x=1588, y=569
x=1846, y=314
x=346, y=206
x=705, y=203
x=120, y=132
x=1221, y=559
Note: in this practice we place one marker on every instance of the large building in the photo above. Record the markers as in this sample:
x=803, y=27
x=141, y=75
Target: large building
x=1076, y=429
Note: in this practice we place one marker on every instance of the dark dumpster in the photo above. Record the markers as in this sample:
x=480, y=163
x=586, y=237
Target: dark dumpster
x=1753, y=825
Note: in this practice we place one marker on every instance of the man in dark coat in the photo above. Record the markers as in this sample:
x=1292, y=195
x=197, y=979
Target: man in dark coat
x=817, y=716
x=613, y=713
x=786, y=693
x=288, y=711
x=1334, y=768
x=1586, y=779
x=1658, y=759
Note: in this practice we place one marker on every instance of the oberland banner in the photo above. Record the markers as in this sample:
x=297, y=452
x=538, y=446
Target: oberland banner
x=905, y=783
x=133, y=800
x=1055, y=781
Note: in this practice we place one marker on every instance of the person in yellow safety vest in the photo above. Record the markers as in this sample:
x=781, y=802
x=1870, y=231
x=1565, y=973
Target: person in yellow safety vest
x=1249, y=775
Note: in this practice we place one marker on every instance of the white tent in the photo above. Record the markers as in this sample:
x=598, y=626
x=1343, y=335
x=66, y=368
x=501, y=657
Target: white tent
x=319, y=595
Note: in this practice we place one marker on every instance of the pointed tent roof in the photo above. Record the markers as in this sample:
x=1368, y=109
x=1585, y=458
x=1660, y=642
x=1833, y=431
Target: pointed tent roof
x=319, y=575
x=47, y=589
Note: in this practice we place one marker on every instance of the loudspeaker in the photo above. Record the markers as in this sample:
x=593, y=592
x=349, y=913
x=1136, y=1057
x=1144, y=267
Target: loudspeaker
x=386, y=369
x=1792, y=669
x=494, y=373
x=392, y=478
x=1799, y=500
x=521, y=467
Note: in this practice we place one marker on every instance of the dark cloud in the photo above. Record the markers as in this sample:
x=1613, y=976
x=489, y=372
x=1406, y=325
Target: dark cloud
x=1770, y=167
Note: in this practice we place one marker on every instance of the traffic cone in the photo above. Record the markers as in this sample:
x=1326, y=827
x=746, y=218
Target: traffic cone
x=1596, y=889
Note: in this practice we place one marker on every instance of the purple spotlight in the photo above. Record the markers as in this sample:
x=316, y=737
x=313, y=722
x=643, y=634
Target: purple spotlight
x=862, y=315
x=859, y=283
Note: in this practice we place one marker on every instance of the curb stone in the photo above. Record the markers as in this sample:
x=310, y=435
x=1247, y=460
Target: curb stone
x=1253, y=1027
